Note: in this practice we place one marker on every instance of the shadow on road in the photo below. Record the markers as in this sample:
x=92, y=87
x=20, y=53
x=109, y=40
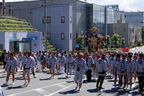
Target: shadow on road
x=70, y=81
x=19, y=78
x=62, y=78
x=68, y=92
x=116, y=92
x=16, y=87
x=93, y=90
x=45, y=79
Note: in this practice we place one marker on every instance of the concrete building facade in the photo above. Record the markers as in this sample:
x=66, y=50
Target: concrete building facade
x=131, y=33
x=83, y=17
x=59, y=25
x=27, y=41
x=135, y=18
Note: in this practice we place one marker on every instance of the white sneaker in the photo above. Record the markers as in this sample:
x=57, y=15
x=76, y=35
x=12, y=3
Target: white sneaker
x=126, y=87
x=53, y=77
x=13, y=83
x=76, y=87
x=79, y=89
x=25, y=83
x=35, y=76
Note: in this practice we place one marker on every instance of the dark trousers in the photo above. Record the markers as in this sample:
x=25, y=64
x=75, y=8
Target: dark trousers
x=100, y=80
x=4, y=64
x=124, y=80
x=89, y=72
x=141, y=82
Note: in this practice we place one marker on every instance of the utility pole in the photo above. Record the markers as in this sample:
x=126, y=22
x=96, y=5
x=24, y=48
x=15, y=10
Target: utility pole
x=3, y=7
x=45, y=24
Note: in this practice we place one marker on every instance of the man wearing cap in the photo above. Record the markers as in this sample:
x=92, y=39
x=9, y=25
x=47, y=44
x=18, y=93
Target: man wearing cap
x=90, y=63
x=69, y=62
x=11, y=67
x=101, y=69
x=140, y=72
x=80, y=67
x=27, y=65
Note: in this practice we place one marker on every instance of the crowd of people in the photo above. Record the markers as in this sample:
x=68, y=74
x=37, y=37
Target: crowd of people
x=126, y=67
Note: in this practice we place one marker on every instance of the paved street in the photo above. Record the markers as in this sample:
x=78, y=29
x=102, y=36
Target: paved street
x=137, y=49
x=60, y=86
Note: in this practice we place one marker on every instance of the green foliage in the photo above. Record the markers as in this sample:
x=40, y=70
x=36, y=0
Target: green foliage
x=123, y=42
x=50, y=47
x=1, y=52
x=108, y=39
x=15, y=25
x=80, y=41
x=138, y=43
x=143, y=33
x=116, y=40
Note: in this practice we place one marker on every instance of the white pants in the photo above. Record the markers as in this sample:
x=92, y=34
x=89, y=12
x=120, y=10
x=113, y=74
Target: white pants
x=38, y=65
x=62, y=69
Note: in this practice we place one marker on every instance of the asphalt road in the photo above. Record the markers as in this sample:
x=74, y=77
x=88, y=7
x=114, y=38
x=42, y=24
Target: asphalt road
x=60, y=86
x=137, y=49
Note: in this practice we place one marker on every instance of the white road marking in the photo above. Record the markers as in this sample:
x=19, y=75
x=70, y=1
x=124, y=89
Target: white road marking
x=41, y=91
x=61, y=85
x=36, y=89
x=59, y=90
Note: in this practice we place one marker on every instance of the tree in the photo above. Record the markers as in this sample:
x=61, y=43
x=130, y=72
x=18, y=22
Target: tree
x=123, y=41
x=116, y=39
x=80, y=41
x=108, y=41
x=142, y=33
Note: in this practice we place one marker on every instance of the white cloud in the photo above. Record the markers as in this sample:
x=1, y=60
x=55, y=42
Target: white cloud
x=125, y=5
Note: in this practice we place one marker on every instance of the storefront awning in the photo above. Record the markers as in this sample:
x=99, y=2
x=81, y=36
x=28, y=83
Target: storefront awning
x=12, y=40
x=34, y=38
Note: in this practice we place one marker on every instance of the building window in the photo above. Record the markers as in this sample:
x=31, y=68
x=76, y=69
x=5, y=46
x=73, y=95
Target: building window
x=62, y=19
x=49, y=36
x=43, y=19
x=62, y=36
x=70, y=19
x=48, y=19
x=124, y=29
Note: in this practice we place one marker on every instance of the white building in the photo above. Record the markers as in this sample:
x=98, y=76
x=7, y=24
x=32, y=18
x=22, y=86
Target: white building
x=26, y=41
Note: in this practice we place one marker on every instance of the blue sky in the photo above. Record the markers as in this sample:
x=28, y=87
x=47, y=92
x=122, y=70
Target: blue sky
x=125, y=5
